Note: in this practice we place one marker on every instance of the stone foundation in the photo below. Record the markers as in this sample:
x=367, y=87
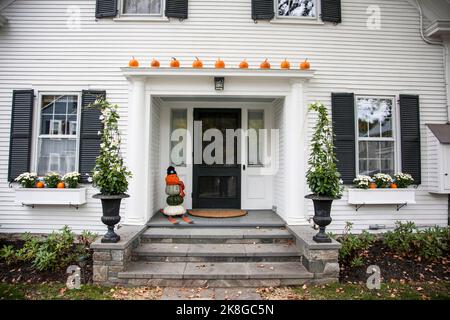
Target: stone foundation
x=112, y=258
x=321, y=259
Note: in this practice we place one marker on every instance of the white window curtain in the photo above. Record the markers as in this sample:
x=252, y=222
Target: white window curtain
x=149, y=7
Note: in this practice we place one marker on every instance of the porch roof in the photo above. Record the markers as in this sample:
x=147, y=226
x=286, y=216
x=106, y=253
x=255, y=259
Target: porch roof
x=293, y=74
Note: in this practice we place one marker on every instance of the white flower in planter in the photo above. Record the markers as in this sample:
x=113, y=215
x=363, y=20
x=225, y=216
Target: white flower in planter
x=362, y=182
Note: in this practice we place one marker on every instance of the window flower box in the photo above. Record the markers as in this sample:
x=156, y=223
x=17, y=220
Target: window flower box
x=399, y=197
x=50, y=196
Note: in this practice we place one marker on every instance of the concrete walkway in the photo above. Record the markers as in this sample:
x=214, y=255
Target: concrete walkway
x=210, y=294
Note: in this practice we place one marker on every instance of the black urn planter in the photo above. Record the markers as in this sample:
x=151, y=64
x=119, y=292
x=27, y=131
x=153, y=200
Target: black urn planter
x=322, y=216
x=111, y=214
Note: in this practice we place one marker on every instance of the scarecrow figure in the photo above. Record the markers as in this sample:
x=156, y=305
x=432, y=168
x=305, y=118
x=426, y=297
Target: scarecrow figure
x=175, y=193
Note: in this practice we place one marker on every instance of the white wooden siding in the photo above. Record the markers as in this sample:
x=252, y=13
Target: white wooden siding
x=37, y=50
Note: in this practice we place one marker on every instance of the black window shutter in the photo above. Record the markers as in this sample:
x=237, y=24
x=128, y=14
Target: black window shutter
x=89, y=137
x=343, y=113
x=262, y=10
x=21, y=131
x=331, y=11
x=410, y=136
x=105, y=8
x=177, y=9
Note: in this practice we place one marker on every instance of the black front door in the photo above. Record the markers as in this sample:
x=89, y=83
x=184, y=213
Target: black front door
x=218, y=184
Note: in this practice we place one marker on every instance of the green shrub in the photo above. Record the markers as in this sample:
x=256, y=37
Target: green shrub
x=54, y=252
x=407, y=240
x=8, y=254
x=353, y=245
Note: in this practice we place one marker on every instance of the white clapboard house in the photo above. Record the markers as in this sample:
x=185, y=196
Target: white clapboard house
x=381, y=67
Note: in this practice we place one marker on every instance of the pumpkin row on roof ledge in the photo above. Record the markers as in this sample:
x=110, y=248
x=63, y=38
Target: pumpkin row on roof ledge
x=220, y=64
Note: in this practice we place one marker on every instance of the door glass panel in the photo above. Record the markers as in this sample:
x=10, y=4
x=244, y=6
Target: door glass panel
x=222, y=122
x=217, y=187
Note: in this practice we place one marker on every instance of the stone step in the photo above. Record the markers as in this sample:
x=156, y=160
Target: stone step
x=217, y=235
x=222, y=274
x=211, y=252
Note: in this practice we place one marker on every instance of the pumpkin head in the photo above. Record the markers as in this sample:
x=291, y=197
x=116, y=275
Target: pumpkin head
x=40, y=184
x=243, y=64
x=265, y=64
x=197, y=63
x=133, y=63
x=174, y=63
x=154, y=63
x=285, y=64
x=60, y=185
x=305, y=65
x=220, y=64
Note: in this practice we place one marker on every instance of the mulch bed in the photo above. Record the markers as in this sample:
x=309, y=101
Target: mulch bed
x=23, y=272
x=395, y=267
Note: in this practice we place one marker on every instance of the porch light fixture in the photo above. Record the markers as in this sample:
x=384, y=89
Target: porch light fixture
x=219, y=83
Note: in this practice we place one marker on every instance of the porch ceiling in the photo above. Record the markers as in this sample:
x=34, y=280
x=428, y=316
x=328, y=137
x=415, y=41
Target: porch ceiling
x=293, y=74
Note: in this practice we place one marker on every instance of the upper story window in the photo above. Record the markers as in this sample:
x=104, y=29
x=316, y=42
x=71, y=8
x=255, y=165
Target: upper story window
x=376, y=135
x=299, y=9
x=57, y=133
x=142, y=7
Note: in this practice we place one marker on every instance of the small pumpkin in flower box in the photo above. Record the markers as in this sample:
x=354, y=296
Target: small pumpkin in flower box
x=197, y=64
x=393, y=186
x=265, y=64
x=133, y=63
x=285, y=64
x=61, y=185
x=220, y=64
x=372, y=185
x=174, y=63
x=155, y=63
x=243, y=64
x=40, y=184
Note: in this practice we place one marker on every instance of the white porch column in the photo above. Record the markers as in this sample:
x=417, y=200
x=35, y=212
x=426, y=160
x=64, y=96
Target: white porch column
x=136, y=204
x=295, y=122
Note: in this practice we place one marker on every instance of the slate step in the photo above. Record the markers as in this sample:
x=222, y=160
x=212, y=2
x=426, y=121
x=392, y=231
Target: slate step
x=217, y=235
x=222, y=274
x=211, y=252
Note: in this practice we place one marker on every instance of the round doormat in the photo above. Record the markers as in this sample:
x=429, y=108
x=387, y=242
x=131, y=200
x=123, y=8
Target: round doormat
x=217, y=213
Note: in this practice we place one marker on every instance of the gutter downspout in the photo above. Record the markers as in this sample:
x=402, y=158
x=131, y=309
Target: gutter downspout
x=446, y=47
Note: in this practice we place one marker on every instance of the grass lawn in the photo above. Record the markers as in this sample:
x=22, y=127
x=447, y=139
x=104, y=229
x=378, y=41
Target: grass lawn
x=352, y=291
x=337, y=291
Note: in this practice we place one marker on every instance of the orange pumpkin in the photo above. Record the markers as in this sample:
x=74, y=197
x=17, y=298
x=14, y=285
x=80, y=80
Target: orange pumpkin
x=305, y=65
x=60, y=185
x=372, y=185
x=40, y=184
x=154, y=63
x=285, y=64
x=220, y=64
x=197, y=63
x=393, y=186
x=265, y=64
x=133, y=63
x=172, y=179
x=243, y=64
x=174, y=63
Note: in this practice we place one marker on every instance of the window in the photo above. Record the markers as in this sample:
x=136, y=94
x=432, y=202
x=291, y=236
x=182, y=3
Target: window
x=255, y=122
x=58, y=133
x=142, y=7
x=178, y=129
x=376, y=138
x=299, y=9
